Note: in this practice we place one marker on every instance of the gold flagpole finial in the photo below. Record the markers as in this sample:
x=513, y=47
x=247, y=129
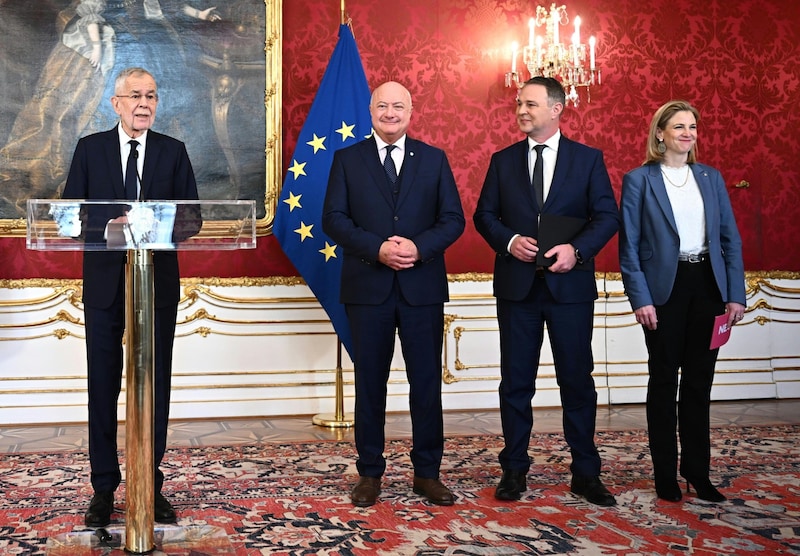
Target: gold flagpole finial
x=344, y=17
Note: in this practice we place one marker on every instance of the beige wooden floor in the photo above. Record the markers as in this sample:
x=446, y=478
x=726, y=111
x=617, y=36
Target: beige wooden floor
x=49, y=438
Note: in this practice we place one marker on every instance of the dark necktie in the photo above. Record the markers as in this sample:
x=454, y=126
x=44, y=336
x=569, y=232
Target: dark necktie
x=131, y=172
x=538, y=176
x=388, y=164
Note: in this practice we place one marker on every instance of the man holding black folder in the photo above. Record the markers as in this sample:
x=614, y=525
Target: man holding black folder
x=547, y=208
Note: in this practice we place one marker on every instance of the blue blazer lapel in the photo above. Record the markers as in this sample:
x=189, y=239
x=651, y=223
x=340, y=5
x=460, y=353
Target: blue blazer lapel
x=411, y=166
x=656, y=183
x=112, y=154
x=522, y=174
x=150, y=163
x=563, y=163
x=707, y=192
x=372, y=162
x=408, y=172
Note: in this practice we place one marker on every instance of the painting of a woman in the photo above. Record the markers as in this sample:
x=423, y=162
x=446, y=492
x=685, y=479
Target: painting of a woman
x=71, y=96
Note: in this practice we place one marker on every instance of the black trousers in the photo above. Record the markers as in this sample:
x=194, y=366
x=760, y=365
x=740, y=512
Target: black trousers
x=681, y=341
x=570, y=327
x=104, y=332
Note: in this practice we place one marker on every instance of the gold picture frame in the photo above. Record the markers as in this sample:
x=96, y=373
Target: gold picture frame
x=220, y=77
x=273, y=105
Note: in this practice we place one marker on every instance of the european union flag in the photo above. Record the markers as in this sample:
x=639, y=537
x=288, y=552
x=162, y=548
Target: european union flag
x=339, y=117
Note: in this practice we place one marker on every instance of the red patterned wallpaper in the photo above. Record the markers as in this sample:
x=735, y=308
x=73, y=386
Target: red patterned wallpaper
x=738, y=62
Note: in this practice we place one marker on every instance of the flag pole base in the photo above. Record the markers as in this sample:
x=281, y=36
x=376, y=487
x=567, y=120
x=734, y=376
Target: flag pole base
x=334, y=421
x=177, y=540
x=339, y=419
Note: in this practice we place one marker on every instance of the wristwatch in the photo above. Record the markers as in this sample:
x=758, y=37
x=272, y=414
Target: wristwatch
x=578, y=256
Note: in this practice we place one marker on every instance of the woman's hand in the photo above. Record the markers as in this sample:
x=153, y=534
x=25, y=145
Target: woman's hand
x=735, y=313
x=646, y=316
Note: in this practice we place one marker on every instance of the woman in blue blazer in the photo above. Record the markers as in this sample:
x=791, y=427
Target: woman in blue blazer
x=681, y=261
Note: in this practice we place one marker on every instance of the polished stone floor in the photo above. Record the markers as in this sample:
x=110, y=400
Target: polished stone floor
x=50, y=438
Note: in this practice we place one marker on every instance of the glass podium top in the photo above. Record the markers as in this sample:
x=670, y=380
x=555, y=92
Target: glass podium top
x=78, y=225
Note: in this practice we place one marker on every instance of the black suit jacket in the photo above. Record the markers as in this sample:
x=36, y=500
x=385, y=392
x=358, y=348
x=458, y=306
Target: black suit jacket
x=96, y=174
x=360, y=213
x=581, y=188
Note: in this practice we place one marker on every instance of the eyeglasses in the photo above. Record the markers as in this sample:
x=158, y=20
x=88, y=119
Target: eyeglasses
x=151, y=98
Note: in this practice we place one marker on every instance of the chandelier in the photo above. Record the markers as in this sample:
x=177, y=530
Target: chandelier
x=545, y=55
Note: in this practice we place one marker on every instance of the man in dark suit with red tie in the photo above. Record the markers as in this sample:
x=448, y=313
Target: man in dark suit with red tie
x=393, y=207
x=570, y=180
x=159, y=168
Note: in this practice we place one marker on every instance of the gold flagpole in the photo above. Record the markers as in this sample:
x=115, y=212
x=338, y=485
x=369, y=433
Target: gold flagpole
x=338, y=419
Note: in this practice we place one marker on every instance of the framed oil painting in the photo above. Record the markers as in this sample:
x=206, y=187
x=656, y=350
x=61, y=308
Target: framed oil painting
x=218, y=69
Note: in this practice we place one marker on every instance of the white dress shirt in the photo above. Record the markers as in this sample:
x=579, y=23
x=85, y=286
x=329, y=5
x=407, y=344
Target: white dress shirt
x=397, y=154
x=549, y=156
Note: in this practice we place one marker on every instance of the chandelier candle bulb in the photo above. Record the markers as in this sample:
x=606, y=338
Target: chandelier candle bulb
x=577, y=36
x=591, y=52
x=513, y=57
x=531, y=33
x=575, y=48
x=539, y=42
x=556, y=19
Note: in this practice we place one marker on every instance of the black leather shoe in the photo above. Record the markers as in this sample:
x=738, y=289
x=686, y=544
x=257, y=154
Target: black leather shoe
x=100, y=508
x=670, y=492
x=366, y=491
x=434, y=491
x=593, y=490
x=164, y=513
x=511, y=485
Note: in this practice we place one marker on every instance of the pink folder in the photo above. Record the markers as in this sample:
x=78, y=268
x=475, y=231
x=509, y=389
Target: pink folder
x=721, y=331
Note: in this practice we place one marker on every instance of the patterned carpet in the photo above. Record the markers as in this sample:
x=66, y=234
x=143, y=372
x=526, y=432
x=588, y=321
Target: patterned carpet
x=292, y=499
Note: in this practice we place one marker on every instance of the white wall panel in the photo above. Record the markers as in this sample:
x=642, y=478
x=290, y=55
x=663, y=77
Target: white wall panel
x=269, y=349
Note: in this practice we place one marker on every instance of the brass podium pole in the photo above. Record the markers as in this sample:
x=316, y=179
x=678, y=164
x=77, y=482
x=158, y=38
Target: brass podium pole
x=139, y=368
x=338, y=419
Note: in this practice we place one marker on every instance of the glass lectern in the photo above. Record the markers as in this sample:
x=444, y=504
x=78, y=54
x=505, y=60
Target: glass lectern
x=140, y=228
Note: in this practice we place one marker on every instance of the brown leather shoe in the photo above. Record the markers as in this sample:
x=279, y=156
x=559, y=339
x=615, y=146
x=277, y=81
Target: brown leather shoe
x=434, y=491
x=366, y=491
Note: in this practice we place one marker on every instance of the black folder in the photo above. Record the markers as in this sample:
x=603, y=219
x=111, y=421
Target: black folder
x=555, y=229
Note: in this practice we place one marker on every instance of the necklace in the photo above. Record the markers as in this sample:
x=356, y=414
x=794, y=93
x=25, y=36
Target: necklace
x=672, y=183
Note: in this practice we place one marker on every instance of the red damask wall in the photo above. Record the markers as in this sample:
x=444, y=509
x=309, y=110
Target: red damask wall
x=738, y=62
